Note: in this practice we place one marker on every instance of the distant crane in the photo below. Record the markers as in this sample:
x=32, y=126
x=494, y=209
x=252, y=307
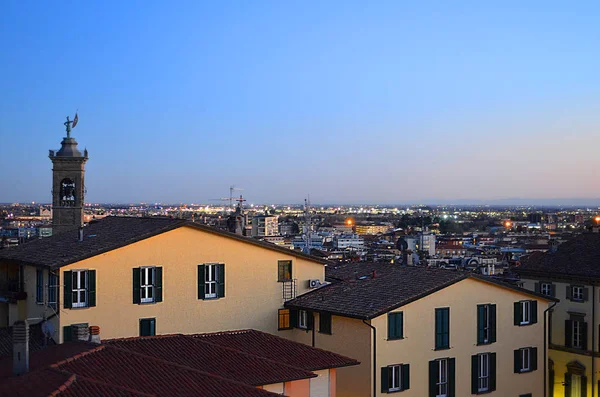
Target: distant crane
x=232, y=188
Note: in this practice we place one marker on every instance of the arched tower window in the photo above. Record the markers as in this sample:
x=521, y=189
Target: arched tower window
x=67, y=193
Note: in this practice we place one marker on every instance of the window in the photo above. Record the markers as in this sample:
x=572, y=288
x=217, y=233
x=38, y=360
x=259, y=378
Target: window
x=576, y=332
x=441, y=377
x=325, y=323
x=302, y=319
x=284, y=270
x=395, y=325
x=442, y=328
x=483, y=373
x=80, y=283
x=486, y=324
x=525, y=359
x=80, y=288
x=546, y=289
x=441, y=384
x=284, y=319
x=525, y=312
x=147, y=285
x=52, y=288
x=577, y=293
x=39, y=290
x=147, y=327
x=211, y=281
x=395, y=378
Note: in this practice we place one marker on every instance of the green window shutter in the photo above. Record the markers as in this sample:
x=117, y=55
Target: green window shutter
x=433, y=372
x=492, y=323
x=584, y=337
x=147, y=327
x=68, y=292
x=405, y=376
x=518, y=364
x=492, y=371
x=567, y=385
x=310, y=320
x=400, y=324
x=293, y=318
x=537, y=287
x=91, y=288
x=152, y=326
x=568, y=333
x=451, y=377
x=158, y=284
x=67, y=333
x=446, y=323
x=480, y=323
x=201, y=278
x=221, y=280
x=517, y=313
x=385, y=379
x=533, y=352
x=569, y=291
x=586, y=294
x=137, y=280
x=533, y=308
x=474, y=374
x=391, y=326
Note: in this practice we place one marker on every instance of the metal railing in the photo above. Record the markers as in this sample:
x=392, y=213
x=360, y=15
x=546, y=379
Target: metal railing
x=289, y=289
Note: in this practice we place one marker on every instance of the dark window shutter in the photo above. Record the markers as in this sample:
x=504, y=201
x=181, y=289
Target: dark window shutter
x=583, y=386
x=400, y=324
x=91, y=288
x=158, y=284
x=221, y=280
x=68, y=292
x=586, y=294
x=433, y=372
x=537, y=287
x=67, y=333
x=492, y=371
x=152, y=326
x=480, y=323
x=293, y=318
x=391, y=326
x=137, y=280
x=385, y=379
x=568, y=333
x=533, y=313
x=492, y=323
x=517, y=313
x=569, y=291
x=144, y=329
x=147, y=327
x=518, y=364
x=533, y=358
x=553, y=289
x=325, y=323
x=405, y=376
x=310, y=320
x=451, y=377
x=567, y=385
x=201, y=276
x=474, y=374
x=584, y=337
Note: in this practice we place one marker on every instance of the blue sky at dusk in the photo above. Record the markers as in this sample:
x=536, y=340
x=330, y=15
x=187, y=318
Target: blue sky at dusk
x=348, y=101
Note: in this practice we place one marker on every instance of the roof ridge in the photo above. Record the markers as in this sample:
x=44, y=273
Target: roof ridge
x=77, y=356
x=76, y=378
x=64, y=386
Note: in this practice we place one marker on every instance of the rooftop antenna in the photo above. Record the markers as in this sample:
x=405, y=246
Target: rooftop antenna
x=307, y=225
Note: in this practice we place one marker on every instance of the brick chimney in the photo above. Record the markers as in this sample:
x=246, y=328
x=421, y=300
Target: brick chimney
x=20, y=337
x=95, y=334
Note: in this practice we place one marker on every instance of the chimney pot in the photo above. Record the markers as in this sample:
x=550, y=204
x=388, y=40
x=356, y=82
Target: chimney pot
x=20, y=336
x=95, y=334
x=80, y=233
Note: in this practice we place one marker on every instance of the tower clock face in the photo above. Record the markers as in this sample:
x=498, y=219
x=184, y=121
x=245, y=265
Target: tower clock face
x=67, y=193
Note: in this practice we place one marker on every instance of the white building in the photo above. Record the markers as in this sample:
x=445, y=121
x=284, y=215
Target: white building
x=265, y=225
x=344, y=241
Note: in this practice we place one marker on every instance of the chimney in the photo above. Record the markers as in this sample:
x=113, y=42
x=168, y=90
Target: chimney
x=20, y=338
x=81, y=332
x=95, y=334
x=80, y=233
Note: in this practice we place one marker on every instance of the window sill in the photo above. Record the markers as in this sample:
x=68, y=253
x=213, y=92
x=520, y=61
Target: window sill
x=525, y=371
x=395, y=391
x=325, y=333
x=399, y=338
x=525, y=324
x=284, y=329
x=485, y=343
x=442, y=348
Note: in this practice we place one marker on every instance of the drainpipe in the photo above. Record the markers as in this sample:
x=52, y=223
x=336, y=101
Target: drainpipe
x=374, y=357
x=546, y=333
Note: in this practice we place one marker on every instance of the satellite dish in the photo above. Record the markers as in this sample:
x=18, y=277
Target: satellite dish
x=48, y=328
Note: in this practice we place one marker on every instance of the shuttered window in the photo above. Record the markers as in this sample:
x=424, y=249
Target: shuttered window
x=80, y=288
x=211, y=281
x=147, y=327
x=483, y=373
x=284, y=319
x=284, y=271
x=147, y=284
x=525, y=360
x=396, y=325
x=395, y=378
x=486, y=324
x=442, y=374
x=39, y=286
x=325, y=323
x=525, y=312
x=442, y=328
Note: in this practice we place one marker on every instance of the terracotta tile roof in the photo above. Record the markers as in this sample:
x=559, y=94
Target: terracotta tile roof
x=212, y=358
x=356, y=293
x=111, y=233
x=278, y=349
x=578, y=257
x=33, y=384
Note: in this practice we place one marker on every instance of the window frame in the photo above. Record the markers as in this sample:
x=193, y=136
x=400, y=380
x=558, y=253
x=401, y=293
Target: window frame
x=302, y=319
x=77, y=289
x=579, y=296
x=547, y=287
x=525, y=359
x=281, y=271
x=145, y=288
x=525, y=313
x=483, y=373
x=53, y=290
x=395, y=374
x=487, y=335
x=443, y=335
x=210, y=283
x=391, y=318
x=283, y=314
x=577, y=334
x=441, y=382
x=151, y=319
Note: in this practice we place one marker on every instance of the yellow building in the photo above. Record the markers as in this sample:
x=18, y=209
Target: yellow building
x=570, y=272
x=144, y=276
x=425, y=332
x=372, y=229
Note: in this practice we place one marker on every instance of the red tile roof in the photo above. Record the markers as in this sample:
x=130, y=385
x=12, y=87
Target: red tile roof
x=215, y=359
x=278, y=349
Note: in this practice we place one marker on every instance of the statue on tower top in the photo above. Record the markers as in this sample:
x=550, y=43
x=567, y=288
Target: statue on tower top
x=69, y=126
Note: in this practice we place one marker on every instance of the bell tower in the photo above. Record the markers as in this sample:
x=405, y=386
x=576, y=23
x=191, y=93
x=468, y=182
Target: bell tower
x=68, y=169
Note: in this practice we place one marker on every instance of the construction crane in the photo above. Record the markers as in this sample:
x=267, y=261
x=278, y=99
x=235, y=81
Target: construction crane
x=232, y=188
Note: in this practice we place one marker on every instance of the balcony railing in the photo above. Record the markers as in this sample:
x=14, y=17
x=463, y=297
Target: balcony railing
x=289, y=289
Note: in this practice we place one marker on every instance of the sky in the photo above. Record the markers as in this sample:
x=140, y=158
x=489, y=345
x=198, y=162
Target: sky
x=348, y=101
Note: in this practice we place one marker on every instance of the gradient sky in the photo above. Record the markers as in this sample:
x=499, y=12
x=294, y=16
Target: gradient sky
x=348, y=101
